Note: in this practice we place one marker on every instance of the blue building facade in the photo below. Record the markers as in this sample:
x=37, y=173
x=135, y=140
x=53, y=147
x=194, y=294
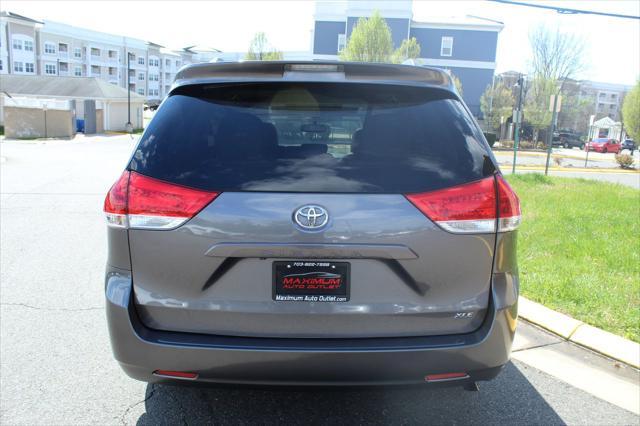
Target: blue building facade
x=464, y=46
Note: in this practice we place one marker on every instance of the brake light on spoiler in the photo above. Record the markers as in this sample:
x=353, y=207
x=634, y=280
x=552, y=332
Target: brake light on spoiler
x=137, y=201
x=472, y=208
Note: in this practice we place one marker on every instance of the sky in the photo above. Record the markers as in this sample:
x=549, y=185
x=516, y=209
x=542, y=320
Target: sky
x=612, y=49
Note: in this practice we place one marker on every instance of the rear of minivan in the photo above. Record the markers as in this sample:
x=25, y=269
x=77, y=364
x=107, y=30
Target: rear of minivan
x=313, y=224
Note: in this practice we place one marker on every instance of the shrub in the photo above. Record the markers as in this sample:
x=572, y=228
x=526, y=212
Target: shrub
x=624, y=160
x=506, y=143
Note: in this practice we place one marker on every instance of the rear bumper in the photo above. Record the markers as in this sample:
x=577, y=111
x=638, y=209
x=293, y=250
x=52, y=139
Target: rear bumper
x=391, y=361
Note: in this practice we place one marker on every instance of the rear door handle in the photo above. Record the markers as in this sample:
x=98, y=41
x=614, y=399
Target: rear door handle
x=312, y=251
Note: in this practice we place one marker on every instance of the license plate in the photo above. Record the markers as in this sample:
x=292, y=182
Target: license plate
x=310, y=281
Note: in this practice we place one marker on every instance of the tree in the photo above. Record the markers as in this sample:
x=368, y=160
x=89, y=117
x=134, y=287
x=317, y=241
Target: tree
x=456, y=82
x=556, y=56
x=260, y=50
x=631, y=112
x=575, y=112
x=536, y=107
x=370, y=41
x=496, y=102
x=409, y=49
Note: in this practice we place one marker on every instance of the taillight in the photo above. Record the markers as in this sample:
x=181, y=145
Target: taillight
x=471, y=208
x=138, y=201
x=509, y=215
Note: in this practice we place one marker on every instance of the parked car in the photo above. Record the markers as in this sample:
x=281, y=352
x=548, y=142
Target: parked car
x=240, y=255
x=567, y=140
x=604, y=145
x=628, y=144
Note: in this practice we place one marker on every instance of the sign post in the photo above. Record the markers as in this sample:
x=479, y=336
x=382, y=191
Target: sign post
x=517, y=118
x=555, y=101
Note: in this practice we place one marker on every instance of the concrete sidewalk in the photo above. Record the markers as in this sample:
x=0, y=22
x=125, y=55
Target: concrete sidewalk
x=578, y=332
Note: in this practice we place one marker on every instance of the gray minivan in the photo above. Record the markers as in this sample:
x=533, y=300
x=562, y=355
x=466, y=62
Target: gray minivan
x=312, y=223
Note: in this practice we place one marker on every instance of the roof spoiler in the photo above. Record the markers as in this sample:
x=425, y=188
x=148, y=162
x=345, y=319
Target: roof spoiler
x=247, y=71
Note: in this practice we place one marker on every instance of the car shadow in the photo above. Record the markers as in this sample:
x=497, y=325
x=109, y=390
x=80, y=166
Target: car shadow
x=509, y=398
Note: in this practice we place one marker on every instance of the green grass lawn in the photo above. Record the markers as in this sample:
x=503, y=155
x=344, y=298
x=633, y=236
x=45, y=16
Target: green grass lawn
x=579, y=249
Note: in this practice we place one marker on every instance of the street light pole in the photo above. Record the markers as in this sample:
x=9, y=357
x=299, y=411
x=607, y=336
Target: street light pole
x=129, y=126
x=518, y=117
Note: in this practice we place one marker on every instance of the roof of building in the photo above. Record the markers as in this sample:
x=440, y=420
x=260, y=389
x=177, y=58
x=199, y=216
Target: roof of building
x=4, y=14
x=68, y=87
x=200, y=49
x=466, y=22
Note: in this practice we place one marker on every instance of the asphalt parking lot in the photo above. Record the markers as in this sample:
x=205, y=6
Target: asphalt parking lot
x=57, y=366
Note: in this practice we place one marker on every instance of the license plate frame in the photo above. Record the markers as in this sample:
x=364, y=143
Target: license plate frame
x=311, y=281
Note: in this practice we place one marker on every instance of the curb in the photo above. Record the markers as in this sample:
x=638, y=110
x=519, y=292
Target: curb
x=575, y=331
x=575, y=169
x=542, y=155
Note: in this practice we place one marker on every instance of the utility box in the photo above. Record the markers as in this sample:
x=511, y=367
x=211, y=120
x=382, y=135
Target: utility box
x=90, y=117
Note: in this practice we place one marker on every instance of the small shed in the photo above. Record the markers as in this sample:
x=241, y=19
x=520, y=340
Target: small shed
x=36, y=91
x=605, y=128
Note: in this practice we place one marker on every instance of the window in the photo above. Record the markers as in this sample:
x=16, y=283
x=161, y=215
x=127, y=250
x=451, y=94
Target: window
x=49, y=48
x=233, y=139
x=17, y=44
x=342, y=42
x=28, y=67
x=141, y=92
x=153, y=77
x=602, y=95
x=167, y=62
x=446, y=47
x=95, y=70
x=77, y=52
x=63, y=47
x=178, y=64
x=50, y=69
x=140, y=60
x=141, y=76
x=28, y=45
x=18, y=66
x=0, y=64
x=77, y=71
x=95, y=51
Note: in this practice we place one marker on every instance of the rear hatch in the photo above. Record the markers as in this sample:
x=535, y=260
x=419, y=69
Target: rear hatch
x=312, y=210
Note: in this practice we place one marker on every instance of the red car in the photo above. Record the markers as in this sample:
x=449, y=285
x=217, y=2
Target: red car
x=604, y=145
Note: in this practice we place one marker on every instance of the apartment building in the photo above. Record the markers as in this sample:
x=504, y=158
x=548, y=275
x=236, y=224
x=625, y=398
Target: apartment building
x=32, y=47
x=607, y=98
x=465, y=46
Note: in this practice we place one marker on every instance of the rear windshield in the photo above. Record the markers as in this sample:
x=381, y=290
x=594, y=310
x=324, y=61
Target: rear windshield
x=312, y=138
